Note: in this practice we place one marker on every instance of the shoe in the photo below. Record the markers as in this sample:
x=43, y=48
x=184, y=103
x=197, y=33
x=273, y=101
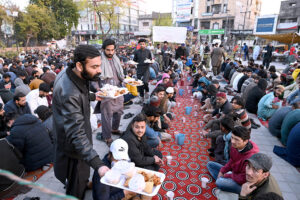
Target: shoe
x=89, y=185
x=211, y=150
x=116, y=132
x=254, y=126
x=253, y=122
x=128, y=103
x=108, y=141
x=99, y=136
x=128, y=115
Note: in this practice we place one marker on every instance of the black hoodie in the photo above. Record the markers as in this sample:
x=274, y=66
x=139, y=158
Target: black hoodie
x=254, y=96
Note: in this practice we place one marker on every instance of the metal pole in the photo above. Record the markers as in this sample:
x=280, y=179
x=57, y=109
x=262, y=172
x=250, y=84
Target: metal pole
x=119, y=27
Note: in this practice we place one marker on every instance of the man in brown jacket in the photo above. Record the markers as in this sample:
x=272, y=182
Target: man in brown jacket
x=216, y=59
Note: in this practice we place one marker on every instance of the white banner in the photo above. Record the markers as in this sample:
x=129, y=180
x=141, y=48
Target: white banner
x=170, y=34
x=183, y=10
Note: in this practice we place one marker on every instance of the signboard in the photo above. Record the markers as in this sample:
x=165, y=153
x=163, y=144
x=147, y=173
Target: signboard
x=241, y=32
x=265, y=25
x=183, y=10
x=190, y=28
x=211, y=32
x=170, y=34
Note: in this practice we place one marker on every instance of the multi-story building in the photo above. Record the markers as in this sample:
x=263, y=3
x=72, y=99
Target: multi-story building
x=230, y=15
x=146, y=22
x=89, y=28
x=289, y=16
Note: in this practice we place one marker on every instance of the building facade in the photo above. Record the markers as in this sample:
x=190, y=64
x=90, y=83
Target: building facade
x=289, y=16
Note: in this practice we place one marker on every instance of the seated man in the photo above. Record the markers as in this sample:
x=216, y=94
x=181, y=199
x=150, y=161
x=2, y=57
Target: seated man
x=37, y=97
x=294, y=96
x=18, y=105
x=222, y=145
x=254, y=95
x=30, y=137
x=139, y=151
x=241, y=149
x=292, y=151
x=269, y=103
x=290, y=120
x=258, y=177
x=154, y=138
x=239, y=113
x=118, y=151
x=277, y=118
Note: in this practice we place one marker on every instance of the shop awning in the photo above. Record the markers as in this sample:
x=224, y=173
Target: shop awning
x=287, y=38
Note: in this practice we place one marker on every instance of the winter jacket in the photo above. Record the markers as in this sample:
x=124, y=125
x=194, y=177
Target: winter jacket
x=34, y=100
x=241, y=82
x=276, y=120
x=255, y=95
x=21, y=87
x=6, y=95
x=139, y=151
x=294, y=97
x=30, y=137
x=265, y=109
x=11, y=107
x=290, y=120
x=237, y=163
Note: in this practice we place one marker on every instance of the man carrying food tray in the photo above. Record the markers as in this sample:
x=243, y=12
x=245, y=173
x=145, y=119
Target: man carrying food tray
x=74, y=153
x=143, y=72
x=112, y=74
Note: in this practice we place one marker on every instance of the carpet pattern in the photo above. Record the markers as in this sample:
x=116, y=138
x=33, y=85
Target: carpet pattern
x=183, y=174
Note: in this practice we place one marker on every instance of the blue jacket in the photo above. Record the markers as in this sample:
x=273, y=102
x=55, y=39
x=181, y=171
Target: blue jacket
x=151, y=133
x=265, y=110
x=30, y=137
x=276, y=120
x=11, y=107
x=294, y=97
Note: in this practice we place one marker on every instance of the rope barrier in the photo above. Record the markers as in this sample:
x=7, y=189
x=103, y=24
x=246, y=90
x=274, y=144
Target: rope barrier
x=42, y=188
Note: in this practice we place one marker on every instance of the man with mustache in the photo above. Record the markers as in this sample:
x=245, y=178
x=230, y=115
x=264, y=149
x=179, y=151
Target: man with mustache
x=74, y=153
x=258, y=177
x=139, y=151
x=37, y=97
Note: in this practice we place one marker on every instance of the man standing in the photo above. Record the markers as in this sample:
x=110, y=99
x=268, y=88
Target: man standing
x=74, y=153
x=112, y=73
x=206, y=55
x=246, y=52
x=216, y=59
x=143, y=72
x=166, y=55
x=268, y=55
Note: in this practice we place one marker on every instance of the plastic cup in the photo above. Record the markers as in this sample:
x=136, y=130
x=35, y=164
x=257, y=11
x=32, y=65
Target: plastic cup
x=195, y=114
x=169, y=159
x=170, y=195
x=183, y=119
x=201, y=123
x=201, y=135
x=180, y=139
x=178, y=104
x=196, y=107
x=204, y=181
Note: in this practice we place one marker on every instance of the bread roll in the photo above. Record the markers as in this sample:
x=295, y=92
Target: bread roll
x=149, y=187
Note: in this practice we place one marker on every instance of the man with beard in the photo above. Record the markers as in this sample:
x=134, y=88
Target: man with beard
x=269, y=103
x=216, y=59
x=74, y=153
x=258, y=177
x=112, y=73
x=143, y=72
x=37, y=97
x=17, y=105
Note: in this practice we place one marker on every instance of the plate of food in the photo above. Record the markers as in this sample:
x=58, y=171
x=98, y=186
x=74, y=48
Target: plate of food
x=148, y=61
x=133, y=82
x=131, y=62
x=111, y=92
x=134, y=179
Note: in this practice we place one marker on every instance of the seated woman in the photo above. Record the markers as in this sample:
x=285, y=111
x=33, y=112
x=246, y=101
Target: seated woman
x=292, y=151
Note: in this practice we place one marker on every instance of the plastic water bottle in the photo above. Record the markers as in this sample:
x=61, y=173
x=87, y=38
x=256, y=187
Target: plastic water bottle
x=201, y=135
x=183, y=119
x=195, y=114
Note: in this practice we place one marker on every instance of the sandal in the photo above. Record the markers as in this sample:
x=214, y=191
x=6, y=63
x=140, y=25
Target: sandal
x=116, y=132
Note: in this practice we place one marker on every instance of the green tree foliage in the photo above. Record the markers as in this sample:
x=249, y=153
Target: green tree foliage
x=66, y=14
x=163, y=21
x=37, y=22
x=108, y=19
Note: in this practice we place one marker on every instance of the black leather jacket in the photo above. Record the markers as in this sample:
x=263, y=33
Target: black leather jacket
x=71, y=121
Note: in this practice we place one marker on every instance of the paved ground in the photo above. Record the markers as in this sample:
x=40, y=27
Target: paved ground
x=287, y=176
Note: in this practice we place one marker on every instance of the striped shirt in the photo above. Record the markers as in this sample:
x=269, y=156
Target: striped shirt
x=242, y=118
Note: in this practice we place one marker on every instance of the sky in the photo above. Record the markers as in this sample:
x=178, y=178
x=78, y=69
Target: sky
x=268, y=6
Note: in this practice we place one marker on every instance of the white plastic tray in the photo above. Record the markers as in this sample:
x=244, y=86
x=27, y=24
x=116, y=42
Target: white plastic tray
x=127, y=80
x=123, y=179
x=109, y=97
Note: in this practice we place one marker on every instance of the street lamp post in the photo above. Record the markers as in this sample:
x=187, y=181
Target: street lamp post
x=117, y=11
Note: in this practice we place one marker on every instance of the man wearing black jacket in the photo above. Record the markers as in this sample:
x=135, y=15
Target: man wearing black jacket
x=71, y=122
x=139, y=151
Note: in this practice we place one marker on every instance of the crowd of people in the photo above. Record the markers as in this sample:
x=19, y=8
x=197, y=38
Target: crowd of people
x=48, y=114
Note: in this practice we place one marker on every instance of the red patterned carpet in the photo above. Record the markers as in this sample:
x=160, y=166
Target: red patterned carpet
x=183, y=175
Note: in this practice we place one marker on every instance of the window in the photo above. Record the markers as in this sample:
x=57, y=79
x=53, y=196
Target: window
x=205, y=25
x=208, y=9
x=292, y=4
x=145, y=23
x=216, y=9
x=216, y=26
x=225, y=8
x=81, y=26
x=291, y=20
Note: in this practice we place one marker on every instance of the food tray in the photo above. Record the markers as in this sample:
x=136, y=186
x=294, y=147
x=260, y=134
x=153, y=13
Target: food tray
x=149, y=61
x=123, y=179
x=127, y=81
x=110, y=97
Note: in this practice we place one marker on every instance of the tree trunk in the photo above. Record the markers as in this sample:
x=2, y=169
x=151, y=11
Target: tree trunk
x=27, y=42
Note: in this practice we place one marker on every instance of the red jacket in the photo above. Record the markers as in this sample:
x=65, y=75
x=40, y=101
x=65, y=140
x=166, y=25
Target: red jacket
x=237, y=163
